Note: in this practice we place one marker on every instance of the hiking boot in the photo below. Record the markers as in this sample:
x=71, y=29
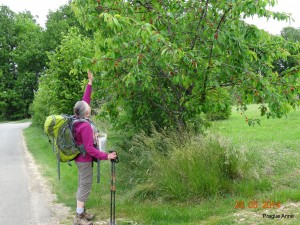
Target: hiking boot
x=88, y=216
x=80, y=220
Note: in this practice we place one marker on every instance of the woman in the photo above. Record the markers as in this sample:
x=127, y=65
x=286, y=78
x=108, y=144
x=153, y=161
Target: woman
x=83, y=133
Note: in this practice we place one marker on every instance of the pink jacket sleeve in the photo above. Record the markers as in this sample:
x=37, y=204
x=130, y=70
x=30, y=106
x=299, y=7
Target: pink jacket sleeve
x=88, y=143
x=87, y=94
x=87, y=132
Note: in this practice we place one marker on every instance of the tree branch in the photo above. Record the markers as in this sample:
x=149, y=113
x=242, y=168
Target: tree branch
x=203, y=14
x=203, y=95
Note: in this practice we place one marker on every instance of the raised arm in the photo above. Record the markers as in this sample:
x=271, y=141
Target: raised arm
x=88, y=91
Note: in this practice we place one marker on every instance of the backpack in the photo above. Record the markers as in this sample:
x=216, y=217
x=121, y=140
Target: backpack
x=60, y=129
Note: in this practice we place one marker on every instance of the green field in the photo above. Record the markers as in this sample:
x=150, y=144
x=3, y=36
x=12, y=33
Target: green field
x=271, y=149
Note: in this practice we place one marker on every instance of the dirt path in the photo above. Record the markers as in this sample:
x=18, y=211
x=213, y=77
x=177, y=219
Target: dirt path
x=40, y=189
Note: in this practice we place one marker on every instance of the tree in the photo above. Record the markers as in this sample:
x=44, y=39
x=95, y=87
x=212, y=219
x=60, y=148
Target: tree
x=29, y=57
x=291, y=34
x=58, y=24
x=21, y=59
x=8, y=42
x=291, y=63
x=163, y=61
x=58, y=88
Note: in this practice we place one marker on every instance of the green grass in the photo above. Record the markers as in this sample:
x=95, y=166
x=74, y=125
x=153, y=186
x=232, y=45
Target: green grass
x=275, y=140
x=272, y=148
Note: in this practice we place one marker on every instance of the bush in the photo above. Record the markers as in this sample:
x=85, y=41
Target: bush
x=179, y=166
x=39, y=109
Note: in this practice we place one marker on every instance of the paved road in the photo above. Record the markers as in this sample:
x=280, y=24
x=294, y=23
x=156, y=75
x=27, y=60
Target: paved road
x=19, y=205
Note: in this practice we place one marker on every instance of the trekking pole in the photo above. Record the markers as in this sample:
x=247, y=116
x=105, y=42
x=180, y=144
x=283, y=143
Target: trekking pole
x=113, y=191
x=58, y=164
x=98, y=170
x=57, y=158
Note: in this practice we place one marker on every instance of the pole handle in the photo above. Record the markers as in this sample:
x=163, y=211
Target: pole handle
x=116, y=160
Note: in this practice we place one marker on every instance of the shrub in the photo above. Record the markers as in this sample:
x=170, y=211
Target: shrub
x=181, y=165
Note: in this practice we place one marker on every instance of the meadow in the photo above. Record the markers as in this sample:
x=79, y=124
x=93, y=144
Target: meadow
x=271, y=187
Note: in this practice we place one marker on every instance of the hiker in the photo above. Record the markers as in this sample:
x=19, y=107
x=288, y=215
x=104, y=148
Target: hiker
x=83, y=133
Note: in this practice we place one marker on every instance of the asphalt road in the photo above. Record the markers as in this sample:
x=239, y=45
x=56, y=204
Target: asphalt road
x=19, y=204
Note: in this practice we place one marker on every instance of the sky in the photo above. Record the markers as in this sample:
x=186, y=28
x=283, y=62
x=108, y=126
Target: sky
x=274, y=27
x=38, y=8
x=41, y=8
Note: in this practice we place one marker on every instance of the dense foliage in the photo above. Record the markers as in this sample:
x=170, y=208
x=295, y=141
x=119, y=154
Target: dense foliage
x=23, y=56
x=168, y=61
x=59, y=89
x=58, y=24
x=21, y=60
x=291, y=63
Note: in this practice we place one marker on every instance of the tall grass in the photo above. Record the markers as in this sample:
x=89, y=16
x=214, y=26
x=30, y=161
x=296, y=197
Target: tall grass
x=185, y=166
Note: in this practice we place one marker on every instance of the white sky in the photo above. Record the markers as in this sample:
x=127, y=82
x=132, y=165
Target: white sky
x=41, y=8
x=274, y=27
x=38, y=8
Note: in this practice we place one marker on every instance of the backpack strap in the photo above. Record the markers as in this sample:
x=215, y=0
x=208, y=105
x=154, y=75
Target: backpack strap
x=72, y=121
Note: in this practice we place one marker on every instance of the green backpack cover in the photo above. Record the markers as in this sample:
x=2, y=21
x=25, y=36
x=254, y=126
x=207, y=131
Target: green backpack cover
x=60, y=129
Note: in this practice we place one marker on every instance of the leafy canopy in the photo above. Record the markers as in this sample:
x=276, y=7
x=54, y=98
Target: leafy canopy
x=58, y=88
x=167, y=61
x=21, y=61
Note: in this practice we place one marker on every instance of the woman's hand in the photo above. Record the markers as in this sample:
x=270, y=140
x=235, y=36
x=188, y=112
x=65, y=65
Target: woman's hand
x=90, y=77
x=112, y=155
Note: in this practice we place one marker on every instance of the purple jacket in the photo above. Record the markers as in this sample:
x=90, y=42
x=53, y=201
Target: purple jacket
x=84, y=135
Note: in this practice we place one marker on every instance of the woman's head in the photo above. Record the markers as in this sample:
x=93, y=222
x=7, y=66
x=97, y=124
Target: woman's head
x=82, y=109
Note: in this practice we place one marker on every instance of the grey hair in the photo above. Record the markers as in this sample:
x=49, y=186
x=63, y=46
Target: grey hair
x=80, y=108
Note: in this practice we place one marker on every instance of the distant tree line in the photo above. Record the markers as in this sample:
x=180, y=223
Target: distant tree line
x=24, y=54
